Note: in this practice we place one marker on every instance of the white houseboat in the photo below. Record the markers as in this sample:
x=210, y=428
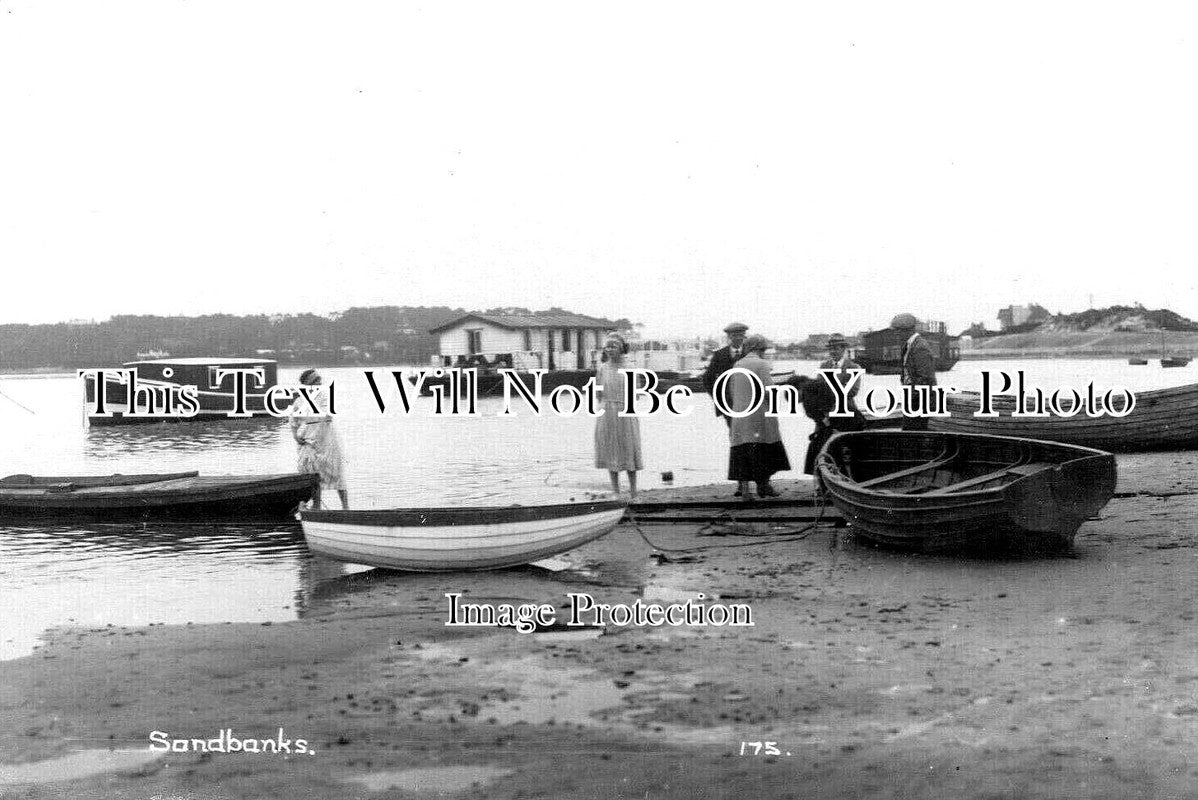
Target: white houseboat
x=159, y=386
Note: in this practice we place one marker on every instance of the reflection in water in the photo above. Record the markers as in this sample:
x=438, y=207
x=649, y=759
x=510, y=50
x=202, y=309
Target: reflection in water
x=180, y=437
x=135, y=574
x=57, y=548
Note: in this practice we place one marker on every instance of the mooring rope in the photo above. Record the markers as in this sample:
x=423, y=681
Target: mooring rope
x=16, y=403
x=737, y=528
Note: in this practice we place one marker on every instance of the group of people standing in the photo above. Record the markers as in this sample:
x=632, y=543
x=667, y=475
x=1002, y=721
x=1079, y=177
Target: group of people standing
x=755, y=440
x=756, y=451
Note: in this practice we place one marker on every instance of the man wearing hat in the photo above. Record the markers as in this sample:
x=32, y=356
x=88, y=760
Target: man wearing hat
x=919, y=367
x=821, y=396
x=722, y=360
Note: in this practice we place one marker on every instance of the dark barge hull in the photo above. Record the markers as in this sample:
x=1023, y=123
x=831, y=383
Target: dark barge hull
x=1165, y=419
x=203, y=417
x=183, y=495
x=159, y=379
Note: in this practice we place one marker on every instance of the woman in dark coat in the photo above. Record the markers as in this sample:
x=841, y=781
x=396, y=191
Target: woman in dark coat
x=757, y=449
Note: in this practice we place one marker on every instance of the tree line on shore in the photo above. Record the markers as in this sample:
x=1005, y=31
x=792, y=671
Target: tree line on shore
x=375, y=334
x=387, y=334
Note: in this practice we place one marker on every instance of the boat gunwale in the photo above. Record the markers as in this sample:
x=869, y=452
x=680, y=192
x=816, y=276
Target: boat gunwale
x=837, y=477
x=445, y=516
x=948, y=520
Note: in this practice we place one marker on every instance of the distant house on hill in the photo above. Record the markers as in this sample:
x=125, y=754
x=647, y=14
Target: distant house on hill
x=524, y=341
x=1013, y=316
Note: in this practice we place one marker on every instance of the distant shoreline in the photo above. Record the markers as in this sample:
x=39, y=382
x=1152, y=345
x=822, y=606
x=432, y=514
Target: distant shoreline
x=995, y=355
x=1084, y=344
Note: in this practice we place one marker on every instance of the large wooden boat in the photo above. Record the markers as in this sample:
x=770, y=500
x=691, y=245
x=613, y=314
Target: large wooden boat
x=176, y=495
x=934, y=491
x=160, y=381
x=442, y=539
x=1163, y=419
x=881, y=351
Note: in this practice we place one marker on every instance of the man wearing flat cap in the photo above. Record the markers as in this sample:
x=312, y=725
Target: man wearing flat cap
x=919, y=367
x=722, y=360
x=819, y=397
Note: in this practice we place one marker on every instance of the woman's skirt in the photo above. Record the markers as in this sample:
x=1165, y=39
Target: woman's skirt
x=320, y=454
x=757, y=461
x=617, y=441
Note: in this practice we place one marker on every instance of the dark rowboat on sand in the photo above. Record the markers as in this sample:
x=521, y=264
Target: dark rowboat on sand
x=178, y=495
x=443, y=539
x=935, y=491
x=1164, y=419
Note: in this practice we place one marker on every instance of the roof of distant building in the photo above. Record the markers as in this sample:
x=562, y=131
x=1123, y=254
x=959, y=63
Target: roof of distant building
x=521, y=321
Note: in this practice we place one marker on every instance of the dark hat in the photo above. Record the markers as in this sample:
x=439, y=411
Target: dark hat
x=837, y=339
x=736, y=327
x=308, y=377
x=903, y=322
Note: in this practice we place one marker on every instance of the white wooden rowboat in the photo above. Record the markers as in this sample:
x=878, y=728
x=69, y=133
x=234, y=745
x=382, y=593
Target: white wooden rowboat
x=445, y=539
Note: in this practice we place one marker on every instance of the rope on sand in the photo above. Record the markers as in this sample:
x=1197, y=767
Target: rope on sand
x=726, y=524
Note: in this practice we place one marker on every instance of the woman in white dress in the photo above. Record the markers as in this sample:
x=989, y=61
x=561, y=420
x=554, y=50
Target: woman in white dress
x=319, y=447
x=617, y=439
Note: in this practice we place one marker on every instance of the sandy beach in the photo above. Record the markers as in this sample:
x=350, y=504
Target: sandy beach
x=866, y=673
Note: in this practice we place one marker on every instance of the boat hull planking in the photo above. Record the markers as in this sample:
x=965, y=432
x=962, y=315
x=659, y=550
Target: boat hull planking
x=938, y=491
x=154, y=497
x=1164, y=419
x=446, y=539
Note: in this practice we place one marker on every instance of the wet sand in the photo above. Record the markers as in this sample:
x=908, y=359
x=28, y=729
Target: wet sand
x=874, y=673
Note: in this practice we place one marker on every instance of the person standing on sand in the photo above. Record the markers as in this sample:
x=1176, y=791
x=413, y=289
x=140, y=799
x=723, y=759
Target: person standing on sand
x=757, y=451
x=722, y=360
x=318, y=446
x=617, y=439
x=919, y=369
x=826, y=424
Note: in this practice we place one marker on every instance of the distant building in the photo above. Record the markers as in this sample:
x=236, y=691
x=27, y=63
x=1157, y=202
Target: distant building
x=1013, y=316
x=930, y=326
x=815, y=346
x=523, y=341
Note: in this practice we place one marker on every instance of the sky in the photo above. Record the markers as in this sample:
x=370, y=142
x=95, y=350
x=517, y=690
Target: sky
x=800, y=167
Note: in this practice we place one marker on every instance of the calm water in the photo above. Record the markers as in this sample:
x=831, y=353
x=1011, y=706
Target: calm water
x=94, y=575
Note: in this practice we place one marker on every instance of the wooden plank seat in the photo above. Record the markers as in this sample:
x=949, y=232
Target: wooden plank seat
x=1018, y=469
x=936, y=463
